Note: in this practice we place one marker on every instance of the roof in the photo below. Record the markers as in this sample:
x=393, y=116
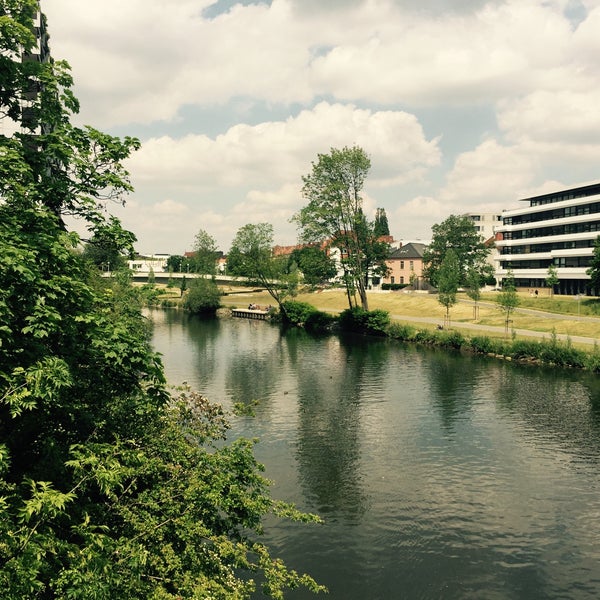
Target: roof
x=411, y=250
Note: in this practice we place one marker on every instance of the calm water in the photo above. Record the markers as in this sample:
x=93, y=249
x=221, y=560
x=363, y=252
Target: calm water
x=437, y=475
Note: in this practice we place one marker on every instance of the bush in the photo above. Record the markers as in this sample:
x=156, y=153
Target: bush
x=400, y=331
x=450, y=339
x=393, y=286
x=485, y=345
x=425, y=336
x=319, y=322
x=562, y=354
x=358, y=320
x=298, y=312
x=203, y=296
x=521, y=349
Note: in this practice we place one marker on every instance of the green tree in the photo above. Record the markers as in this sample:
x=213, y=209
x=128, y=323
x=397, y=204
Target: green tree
x=205, y=253
x=315, y=264
x=175, y=263
x=381, y=226
x=252, y=254
x=594, y=269
x=458, y=233
x=473, y=289
x=203, y=296
x=334, y=217
x=508, y=299
x=110, y=246
x=552, y=278
x=109, y=488
x=448, y=279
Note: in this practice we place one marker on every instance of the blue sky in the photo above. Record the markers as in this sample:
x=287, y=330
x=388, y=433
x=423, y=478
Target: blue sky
x=462, y=106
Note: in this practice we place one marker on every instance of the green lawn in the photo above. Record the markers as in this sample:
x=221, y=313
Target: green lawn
x=400, y=304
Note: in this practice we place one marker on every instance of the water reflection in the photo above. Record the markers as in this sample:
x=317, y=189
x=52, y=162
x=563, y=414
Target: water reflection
x=439, y=475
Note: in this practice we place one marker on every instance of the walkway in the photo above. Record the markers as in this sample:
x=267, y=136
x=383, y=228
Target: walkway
x=501, y=330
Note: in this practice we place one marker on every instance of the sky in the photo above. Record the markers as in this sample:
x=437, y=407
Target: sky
x=461, y=105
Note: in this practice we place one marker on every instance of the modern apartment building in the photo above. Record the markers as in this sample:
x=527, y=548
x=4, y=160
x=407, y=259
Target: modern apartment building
x=553, y=229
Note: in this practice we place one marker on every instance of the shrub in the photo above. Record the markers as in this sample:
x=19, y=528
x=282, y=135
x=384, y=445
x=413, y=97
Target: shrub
x=400, y=331
x=524, y=349
x=425, y=336
x=298, y=312
x=450, y=339
x=375, y=322
x=319, y=322
x=485, y=345
x=203, y=296
x=561, y=354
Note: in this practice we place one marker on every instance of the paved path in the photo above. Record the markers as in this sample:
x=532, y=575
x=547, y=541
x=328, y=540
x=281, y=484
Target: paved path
x=524, y=332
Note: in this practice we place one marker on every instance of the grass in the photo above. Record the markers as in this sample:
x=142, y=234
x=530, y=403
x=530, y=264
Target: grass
x=412, y=306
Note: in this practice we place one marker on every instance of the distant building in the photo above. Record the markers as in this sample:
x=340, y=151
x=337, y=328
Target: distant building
x=485, y=223
x=154, y=262
x=406, y=264
x=553, y=229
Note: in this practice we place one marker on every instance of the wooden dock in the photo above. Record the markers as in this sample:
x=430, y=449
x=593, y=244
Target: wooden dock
x=250, y=313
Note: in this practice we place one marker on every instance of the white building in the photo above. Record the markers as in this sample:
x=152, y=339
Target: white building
x=552, y=229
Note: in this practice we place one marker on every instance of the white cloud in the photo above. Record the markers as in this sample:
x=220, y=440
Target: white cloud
x=271, y=153
x=231, y=109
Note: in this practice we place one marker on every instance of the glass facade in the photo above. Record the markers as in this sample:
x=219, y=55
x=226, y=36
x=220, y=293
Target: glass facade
x=564, y=238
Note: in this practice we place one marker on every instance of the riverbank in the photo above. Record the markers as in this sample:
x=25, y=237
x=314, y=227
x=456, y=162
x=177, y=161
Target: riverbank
x=581, y=330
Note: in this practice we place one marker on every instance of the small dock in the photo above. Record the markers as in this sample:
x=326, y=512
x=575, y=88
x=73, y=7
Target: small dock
x=251, y=313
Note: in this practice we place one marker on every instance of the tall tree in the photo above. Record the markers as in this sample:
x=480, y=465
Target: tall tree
x=252, y=251
x=109, y=488
x=458, y=233
x=205, y=253
x=381, y=227
x=334, y=217
x=315, y=264
x=448, y=282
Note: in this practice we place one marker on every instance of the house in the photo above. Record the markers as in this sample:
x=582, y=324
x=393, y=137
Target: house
x=406, y=264
x=556, y=229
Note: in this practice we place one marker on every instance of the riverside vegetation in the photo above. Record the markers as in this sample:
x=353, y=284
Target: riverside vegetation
x=321, y=312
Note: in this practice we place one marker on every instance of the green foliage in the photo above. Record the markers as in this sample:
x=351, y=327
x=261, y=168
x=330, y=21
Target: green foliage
x=393, y=286
x=552, y=278
x=315, y=264
x=334, y=217
x=459, y=234
x=205, y=253
x=319, y=322
x=485, y=345
x=251, y=256
x=401, y=331
x=594, y=269
x=203, y=296
x=298, y=312
x=508, y=299
x=448, y=278
x=109, y=246
x=358, y=320
x=109, y=488
x=381, y=226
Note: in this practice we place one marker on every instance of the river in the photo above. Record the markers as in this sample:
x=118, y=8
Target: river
x=438, y=475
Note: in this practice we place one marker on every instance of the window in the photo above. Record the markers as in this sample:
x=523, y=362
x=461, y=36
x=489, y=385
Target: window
x=393, y=279
x=412, y=265
x=402, y=264
x=401, y=279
